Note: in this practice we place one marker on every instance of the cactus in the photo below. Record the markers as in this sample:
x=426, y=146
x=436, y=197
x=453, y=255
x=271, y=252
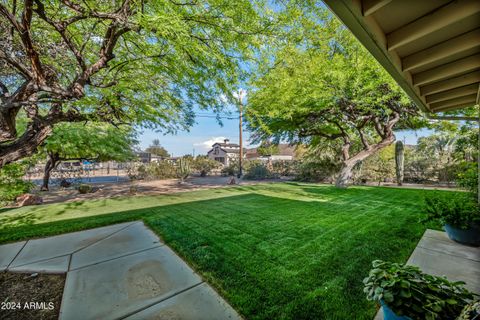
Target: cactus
x=399, y=161
x=183, y=169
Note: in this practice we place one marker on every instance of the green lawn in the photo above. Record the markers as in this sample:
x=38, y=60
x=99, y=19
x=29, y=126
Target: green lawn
x=274, y=251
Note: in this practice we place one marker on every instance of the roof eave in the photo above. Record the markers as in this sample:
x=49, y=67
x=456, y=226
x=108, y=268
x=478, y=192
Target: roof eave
x=351, y=16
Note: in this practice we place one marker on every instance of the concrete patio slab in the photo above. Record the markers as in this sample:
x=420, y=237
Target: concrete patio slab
x=41, y=249
x=134, y=238
x=444, y=264
x=437, y=255
x=198, y=303
x=8, y=252
x=54, y=265
x=123, y=286
x=439, y=241
x=116, y=272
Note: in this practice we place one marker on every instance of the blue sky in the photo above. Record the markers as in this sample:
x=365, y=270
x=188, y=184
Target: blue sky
x=207, y=131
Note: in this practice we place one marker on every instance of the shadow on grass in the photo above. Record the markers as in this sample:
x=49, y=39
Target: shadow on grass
x=268, y=254
x=3, y=210
x=246, y=205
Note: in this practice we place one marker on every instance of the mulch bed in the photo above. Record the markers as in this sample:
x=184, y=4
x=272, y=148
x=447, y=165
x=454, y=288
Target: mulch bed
x=26, y=296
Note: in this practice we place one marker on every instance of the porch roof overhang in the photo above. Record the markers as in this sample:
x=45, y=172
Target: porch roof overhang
x=431, y=48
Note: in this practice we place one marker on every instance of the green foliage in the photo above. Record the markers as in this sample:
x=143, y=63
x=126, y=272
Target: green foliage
x=84, y=188
x=230, y=170
x=12, y=184
x=378, y=167
x=409, y=292
x=471, y=311
x=93, y=141
x=154, y=171
x=157, y=149
x=257, y=171
x=468, y=178
x=326, y=88
x=284, y=168
x=183, y=168
x=456, y=209
x=204, y=165
x=316, y=170
x=267, y=148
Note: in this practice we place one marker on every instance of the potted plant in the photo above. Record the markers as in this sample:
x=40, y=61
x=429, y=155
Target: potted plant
x=459, y=213
x=405, y=293
x=471, y=311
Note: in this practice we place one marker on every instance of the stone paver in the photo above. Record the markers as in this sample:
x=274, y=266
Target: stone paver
x=8, y=252
x=436, y=254
x=198, y=303
x=119, y=271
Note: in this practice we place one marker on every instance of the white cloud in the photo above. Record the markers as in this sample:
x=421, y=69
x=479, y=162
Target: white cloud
x=207, y=145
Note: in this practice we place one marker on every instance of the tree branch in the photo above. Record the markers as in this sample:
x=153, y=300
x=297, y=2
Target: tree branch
x=61, y=29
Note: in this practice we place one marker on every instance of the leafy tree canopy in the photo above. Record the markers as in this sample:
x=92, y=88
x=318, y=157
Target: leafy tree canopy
x=328, y=87
x=156, y=149
x=92, y=141
x=120, y=61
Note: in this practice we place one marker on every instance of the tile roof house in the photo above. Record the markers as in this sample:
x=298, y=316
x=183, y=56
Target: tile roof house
x=285, y=152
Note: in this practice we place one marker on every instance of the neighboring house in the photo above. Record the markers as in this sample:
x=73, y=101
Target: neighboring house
x=147, y=157
x=172, y=160
x=285, y=152
x=225, y=152
x=144, y=157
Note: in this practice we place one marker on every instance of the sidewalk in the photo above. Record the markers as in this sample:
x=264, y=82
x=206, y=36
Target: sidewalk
x=121, y=271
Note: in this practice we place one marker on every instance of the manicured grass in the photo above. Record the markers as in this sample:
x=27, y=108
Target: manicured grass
x=274, y=251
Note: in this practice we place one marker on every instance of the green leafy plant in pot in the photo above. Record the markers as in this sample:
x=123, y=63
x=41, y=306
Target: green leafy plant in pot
x=458, y=213
x=405, y=292
x=471, y=311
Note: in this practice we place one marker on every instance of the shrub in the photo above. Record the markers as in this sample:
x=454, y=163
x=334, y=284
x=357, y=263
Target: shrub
x=456, y=209
x=316, y=170
x=84, y=188
x=284, y=168
x=11, y=182
x=204, y=165
x=468, y=178
x=257, y=171
x=409, y=292
x=153, y=171
x=230, y=170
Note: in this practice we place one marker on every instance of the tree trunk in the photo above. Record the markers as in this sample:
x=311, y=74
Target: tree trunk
x=8, y=129
x=26, y=145
x=49, y=166
x=345, y=174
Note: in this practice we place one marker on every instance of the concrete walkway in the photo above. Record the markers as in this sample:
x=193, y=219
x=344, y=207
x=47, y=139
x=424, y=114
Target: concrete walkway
x=437, y=255
x=122, y=271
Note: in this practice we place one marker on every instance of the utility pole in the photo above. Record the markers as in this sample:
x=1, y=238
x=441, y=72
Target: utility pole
x=240, y=127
